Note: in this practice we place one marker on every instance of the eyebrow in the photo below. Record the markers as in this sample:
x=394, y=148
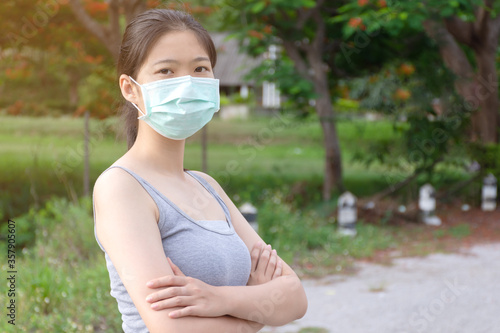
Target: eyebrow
x=197, y=59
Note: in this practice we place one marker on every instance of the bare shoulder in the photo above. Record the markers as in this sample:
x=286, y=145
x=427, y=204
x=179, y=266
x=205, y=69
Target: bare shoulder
x=112, y=177
x=115, y=183
x=210, y=180
x=117, y=193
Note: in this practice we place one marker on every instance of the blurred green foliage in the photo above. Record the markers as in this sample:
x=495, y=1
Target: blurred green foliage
x=63, y=284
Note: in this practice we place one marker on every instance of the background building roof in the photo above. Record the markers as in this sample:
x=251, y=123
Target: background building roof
x=231, y=65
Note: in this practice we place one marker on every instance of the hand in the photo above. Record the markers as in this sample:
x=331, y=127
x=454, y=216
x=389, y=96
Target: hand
x=194, y=296
x=266, y=265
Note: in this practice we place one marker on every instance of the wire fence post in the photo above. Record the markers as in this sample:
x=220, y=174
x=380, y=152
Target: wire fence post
x=86, y=168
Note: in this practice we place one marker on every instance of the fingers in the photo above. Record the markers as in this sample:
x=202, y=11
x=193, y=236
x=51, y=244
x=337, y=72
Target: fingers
x=186, y=311
x=177, y=271
x=174, y=302
x=271, y=265
x=263, y=260
x=279, y=269
x=167, y=281
x=255, y=254
x=266, y=265
x=167, y=294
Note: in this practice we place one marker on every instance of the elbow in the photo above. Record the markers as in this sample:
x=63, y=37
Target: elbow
x=298, y=298
x=303, y=304
x=300, y=301
x=303, y=309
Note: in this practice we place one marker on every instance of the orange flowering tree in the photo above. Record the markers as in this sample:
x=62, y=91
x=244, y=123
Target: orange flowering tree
x=45, y=56
x=466, y=35
x=425, y=67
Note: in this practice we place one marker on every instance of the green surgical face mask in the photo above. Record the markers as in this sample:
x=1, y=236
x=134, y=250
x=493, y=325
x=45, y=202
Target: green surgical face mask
x=179, y=107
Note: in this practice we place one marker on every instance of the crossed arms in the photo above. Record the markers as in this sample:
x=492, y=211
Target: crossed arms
x=172, y=302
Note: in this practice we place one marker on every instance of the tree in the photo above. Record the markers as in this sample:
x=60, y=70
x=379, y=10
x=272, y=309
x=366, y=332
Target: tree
x=304, y=30
x=467, y=34
x=109, y=33
x=46, y=54
x=479, y=87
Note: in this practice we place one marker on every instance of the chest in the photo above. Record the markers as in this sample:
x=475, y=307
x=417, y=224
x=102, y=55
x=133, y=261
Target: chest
x=219, y=259
x=192, y=198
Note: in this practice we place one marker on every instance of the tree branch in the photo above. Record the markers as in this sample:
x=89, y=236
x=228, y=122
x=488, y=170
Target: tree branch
x=319, y=38
x=294, y=54
x=133, y=8
x=114, y=26
x=97, y=29
x=496, y=24
x=482, y=18
x=305, y=15
x=392, y=189
x=101, y=32
x=450, y=193
x=462, y=31
x=453, y=56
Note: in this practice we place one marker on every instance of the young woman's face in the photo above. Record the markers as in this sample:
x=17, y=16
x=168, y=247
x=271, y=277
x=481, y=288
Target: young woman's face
x=176, y=54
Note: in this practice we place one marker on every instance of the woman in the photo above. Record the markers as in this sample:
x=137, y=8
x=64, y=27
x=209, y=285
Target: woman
x=156, y=222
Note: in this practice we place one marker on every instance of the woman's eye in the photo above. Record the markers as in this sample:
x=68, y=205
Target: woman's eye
x=201, y=69
x=165, y=71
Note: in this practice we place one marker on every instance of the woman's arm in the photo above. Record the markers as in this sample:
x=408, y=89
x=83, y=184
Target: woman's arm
x=276, y=302
x=202, y=300
x=126, y=227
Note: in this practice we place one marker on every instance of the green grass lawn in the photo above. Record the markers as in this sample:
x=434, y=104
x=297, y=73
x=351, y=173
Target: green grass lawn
x=42, y=157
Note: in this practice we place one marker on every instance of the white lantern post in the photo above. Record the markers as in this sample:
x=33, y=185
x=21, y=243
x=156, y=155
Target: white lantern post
x=427, y=205
x=347, y=214
x=249, y=212
x=489, y=193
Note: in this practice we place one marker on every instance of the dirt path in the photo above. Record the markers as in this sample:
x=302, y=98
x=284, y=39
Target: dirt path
x=440, y=293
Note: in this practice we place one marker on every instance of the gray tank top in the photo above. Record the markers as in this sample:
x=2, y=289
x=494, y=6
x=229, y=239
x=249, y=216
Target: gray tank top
x=210, y=251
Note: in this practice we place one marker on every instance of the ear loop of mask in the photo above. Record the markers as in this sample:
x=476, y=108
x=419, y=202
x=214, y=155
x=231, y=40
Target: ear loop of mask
x=137, y=107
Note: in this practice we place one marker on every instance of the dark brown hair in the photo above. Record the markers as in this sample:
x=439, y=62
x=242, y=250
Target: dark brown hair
x=141, y=35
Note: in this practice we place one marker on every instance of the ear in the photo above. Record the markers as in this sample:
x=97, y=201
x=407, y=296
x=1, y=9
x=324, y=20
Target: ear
x=130, y=91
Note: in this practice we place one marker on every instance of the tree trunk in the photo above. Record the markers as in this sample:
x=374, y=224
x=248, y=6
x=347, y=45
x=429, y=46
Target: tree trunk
x=313, y=68
x=487, y=94
x=324, y=109
x=333, y=160
x=74, y=80
x=479, y=89
x=456, y=60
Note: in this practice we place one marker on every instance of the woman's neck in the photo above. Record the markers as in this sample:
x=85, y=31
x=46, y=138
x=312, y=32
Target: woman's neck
x=153, y=150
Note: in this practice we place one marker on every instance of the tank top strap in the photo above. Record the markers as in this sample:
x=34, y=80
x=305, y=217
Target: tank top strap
x=147, y=186
x=214, y=193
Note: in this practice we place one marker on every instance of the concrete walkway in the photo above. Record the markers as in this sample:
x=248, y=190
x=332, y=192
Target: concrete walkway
x=440, y=293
